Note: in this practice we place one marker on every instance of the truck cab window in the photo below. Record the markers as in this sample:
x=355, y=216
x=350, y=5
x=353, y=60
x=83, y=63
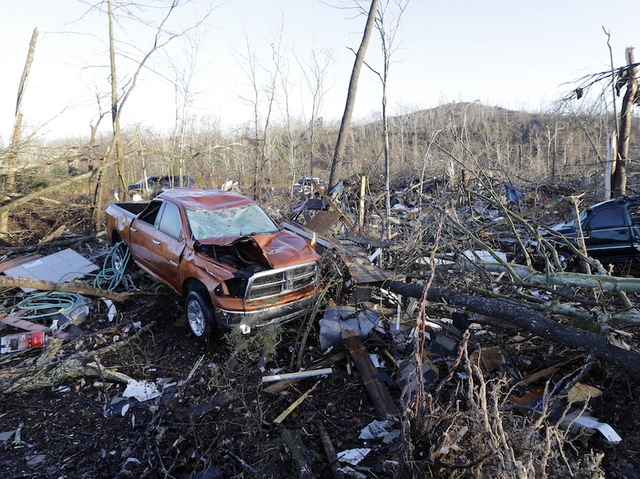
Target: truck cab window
x=150, y=214
x=609, y=218
x=170, y=222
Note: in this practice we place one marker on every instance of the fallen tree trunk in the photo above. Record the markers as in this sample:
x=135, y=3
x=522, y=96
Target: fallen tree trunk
x=17, y=282
x=575, y=280
x=598, y=346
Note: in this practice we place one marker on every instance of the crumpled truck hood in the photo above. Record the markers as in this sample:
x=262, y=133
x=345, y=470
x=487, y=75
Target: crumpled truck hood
x=280, y=250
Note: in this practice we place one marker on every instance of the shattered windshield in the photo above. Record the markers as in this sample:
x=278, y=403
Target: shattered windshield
x=240, y=221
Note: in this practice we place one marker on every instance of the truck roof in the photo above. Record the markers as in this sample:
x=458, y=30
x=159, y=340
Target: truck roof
x=212, y=199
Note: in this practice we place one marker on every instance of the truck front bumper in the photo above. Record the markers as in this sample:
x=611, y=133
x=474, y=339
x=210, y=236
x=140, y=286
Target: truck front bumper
x=265, y=316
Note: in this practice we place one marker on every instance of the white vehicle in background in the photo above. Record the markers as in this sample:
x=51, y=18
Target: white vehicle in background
x=303, y=185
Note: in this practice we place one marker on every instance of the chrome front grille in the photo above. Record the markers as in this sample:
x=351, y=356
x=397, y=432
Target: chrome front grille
x=276, y=282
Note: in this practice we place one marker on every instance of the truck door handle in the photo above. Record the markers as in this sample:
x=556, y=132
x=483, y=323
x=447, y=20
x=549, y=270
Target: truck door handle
x=133, y=229
x=156, y=242
x=173, y=263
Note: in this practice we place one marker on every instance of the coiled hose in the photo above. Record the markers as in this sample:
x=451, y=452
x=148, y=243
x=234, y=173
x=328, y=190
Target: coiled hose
x=40, y=305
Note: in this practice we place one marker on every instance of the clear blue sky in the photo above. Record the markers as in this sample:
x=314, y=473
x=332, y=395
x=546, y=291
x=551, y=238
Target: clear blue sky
x=513, y=54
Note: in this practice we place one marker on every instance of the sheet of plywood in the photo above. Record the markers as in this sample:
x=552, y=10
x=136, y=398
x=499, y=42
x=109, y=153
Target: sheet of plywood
x=322, y=221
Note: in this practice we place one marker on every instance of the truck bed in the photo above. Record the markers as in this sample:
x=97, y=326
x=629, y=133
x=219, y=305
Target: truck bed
x=134, y=207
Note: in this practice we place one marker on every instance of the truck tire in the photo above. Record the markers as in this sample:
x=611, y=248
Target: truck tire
x=567, y=262
x=121, y=256
x=199, y=315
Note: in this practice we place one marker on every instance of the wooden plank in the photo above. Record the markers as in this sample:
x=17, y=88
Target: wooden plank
x=298, y=375
x=17, y=322
x=363, y=185
x=295, y=404
x=381, y=398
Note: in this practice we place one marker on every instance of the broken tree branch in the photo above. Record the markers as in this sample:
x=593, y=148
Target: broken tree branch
x=53, y=374
x=18, y=282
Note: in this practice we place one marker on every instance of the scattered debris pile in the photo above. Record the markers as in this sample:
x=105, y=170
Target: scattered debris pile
x=431, y=352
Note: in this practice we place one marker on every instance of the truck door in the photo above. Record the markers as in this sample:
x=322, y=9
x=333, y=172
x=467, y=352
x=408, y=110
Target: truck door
x=167, y=246
x=608, y=233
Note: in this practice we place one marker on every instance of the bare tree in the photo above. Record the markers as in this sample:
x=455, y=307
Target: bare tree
x=291, y=140
x=315, y=72
x=9, y=183
x=160, y=40
x=387, y=38
x=183, y=69
x=341, y=143
x=263, y=93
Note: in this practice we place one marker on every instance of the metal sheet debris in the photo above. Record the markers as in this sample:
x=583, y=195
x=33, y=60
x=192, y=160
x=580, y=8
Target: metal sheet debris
x=408, y=374
x=5, y=436
x=58, y=267
x=577, y=419
x=353, y=456
x=141, y=390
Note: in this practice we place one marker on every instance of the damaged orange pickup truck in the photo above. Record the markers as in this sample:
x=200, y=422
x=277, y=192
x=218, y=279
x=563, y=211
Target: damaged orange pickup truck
x=222, y=253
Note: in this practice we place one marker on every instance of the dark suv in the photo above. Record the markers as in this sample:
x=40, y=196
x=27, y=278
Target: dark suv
x=157, y=184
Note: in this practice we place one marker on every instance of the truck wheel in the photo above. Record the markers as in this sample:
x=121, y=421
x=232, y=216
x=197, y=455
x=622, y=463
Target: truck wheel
x=566, y=261
x=199, y=315
x=121, y=256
